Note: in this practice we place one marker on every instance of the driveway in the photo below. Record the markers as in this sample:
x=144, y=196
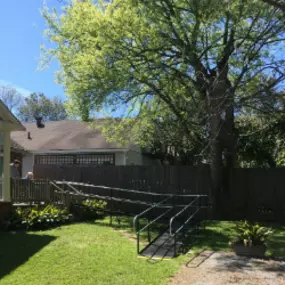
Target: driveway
x=220, y=268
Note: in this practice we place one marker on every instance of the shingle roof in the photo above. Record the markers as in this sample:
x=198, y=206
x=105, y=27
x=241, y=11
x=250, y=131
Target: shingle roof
x=62, y=135
x=16, y=146
x=8, y=118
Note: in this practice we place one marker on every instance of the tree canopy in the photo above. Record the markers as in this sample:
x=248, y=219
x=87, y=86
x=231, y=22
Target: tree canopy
x=11, y=97
x=37, y=104
x=276, y=3
x=193, y=65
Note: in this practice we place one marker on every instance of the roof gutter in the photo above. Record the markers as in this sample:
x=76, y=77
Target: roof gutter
x=73, y=151
x=10, y=123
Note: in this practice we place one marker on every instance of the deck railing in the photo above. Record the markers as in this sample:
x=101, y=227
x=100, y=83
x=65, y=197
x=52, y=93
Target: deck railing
x=33, y=191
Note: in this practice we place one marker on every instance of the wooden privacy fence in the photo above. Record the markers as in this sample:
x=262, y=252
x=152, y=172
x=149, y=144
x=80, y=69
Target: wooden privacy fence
x=119, y=201
x=257, y=194
x=159, y=179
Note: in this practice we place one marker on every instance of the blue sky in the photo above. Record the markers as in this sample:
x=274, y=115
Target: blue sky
x=21, y=31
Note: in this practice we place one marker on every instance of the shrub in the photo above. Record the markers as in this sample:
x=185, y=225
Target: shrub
x=94, y=204
x=250, y=234
x=88, y=209
x=37, y=218
x=47, y=217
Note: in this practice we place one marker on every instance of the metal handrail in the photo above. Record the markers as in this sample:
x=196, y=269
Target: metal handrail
x=136, y=221
x=185, y=223
x=74, y=189
x=126, y=190
x=58, y=188
x=105, y=198
x=182, y=211
x=147, y=210
x=153, y=221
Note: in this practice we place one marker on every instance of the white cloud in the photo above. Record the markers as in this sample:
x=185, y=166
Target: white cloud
x=23, y=91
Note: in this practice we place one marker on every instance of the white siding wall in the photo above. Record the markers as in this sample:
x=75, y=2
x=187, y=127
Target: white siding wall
x=120, y=158
x=27, y=164
x=149, y=161
x=134, y=158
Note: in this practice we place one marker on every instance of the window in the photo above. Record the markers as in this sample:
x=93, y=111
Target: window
x=54, y=159
x=79, y=159
x=95, y=159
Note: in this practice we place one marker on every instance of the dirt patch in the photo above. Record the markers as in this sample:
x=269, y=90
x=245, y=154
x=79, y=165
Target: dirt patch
x=221, y=268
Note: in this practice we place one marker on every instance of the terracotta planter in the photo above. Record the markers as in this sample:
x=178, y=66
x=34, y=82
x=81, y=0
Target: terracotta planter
x=253, y=251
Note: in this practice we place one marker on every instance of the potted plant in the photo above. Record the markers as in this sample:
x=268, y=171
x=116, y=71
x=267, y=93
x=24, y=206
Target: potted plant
x=250, y=239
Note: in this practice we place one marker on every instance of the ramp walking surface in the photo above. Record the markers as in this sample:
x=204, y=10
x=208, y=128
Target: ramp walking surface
x=164, y=245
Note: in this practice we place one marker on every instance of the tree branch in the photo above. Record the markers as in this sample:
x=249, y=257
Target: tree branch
x=276, y=4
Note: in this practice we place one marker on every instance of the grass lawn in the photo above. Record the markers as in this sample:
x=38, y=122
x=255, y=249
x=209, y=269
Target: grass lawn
x=98, y=254
x=217, y=233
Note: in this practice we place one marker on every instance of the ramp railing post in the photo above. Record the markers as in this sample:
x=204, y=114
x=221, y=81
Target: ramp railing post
x=138, y=236
x=174, y=248
x=148, y=232
x=137, y=231
x=111, y=214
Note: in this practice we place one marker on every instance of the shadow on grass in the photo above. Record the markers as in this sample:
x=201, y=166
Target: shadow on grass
x=276, y=243
x=125, y=223
x=17, y=248
x=215, y=237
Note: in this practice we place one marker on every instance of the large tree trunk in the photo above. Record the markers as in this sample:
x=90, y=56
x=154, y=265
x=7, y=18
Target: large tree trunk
x=223, y=143
x=216, y=175
x=230, y=145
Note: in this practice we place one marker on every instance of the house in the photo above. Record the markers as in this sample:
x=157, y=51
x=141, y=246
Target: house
x=72, y=142
x=8, y=124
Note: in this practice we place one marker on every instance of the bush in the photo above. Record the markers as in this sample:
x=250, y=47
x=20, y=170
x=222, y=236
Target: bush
x=95, y=204
x=87, y=210
x=250, y=234
x=37, y=218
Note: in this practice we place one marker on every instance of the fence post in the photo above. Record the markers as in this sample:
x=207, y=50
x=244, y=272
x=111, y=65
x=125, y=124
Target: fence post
x=68, y=201
x=48, y=188
x=12, y=190
x=63, y=194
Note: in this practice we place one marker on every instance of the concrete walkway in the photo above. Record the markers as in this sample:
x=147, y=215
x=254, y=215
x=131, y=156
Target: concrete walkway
x=222, y=268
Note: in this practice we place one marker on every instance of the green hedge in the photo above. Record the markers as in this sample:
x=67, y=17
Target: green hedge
x=87, y=210
x=36, y=218
x=39, y=218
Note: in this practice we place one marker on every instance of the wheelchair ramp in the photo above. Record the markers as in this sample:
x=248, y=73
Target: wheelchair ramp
x=165, y=246
x=179, y=222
